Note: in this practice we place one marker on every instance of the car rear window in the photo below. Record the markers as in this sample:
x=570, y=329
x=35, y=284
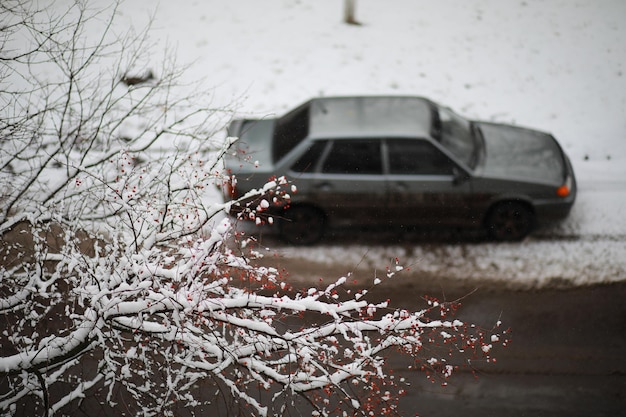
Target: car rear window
x=290, y=130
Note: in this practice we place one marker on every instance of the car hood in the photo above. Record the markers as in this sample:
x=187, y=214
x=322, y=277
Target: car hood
x=522, y=154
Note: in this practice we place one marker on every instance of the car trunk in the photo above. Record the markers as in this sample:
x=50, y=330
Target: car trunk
x=252, y=152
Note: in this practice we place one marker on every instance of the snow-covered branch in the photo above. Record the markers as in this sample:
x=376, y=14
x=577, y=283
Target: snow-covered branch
x=122, y=281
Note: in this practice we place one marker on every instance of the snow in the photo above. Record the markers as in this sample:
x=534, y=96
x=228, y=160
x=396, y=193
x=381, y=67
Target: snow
x=557, y=66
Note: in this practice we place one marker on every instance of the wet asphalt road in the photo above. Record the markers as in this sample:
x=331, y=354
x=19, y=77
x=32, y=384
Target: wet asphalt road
x=567, y=356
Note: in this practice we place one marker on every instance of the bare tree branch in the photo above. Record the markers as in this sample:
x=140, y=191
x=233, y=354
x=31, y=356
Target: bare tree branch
x=122, y=283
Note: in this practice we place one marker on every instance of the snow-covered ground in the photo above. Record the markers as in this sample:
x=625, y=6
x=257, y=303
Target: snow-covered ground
x=557, y=65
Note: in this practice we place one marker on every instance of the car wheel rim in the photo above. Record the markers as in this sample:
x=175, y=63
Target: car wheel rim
x=510, y=223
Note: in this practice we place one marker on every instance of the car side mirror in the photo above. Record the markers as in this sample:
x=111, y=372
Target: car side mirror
x=459, y=176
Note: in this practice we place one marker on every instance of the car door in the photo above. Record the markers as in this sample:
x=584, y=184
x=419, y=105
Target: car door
x=350, y=184
x=425, y=186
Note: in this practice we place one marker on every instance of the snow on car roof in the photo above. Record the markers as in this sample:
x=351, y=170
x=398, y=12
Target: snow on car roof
x=370, y=116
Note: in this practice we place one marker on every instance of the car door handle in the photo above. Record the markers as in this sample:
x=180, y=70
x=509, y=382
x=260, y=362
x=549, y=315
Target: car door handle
x=323, y=186
x=401, y=187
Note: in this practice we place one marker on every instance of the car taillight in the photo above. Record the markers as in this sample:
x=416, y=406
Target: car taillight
x=230, y=188
x=565, y=189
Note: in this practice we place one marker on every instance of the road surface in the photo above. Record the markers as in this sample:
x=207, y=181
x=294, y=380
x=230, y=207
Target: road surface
x=567, y=356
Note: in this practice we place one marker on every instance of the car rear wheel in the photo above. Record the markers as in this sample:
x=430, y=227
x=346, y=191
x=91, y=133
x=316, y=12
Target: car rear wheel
x=509, y=221
x=302, y=225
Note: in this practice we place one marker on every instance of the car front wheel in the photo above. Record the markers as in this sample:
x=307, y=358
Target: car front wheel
x=509, y=221
x=302, y=225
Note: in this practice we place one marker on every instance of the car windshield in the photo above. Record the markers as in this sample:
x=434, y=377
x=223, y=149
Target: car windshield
x=456, y=134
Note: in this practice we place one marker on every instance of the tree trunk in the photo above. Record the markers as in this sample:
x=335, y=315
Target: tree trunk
x=349, y=11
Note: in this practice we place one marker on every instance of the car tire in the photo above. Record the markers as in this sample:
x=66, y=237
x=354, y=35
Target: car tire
x=302, y=225
x=509, y=221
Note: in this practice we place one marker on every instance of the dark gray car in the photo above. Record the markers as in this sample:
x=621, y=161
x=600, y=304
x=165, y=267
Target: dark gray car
x=401, y=161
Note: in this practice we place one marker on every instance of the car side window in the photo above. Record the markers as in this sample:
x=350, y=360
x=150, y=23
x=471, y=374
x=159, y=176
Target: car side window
x=417, y=157
x=308, y=161
x=354, y=156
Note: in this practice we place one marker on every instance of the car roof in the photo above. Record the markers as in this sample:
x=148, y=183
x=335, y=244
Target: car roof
x=370, y=116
